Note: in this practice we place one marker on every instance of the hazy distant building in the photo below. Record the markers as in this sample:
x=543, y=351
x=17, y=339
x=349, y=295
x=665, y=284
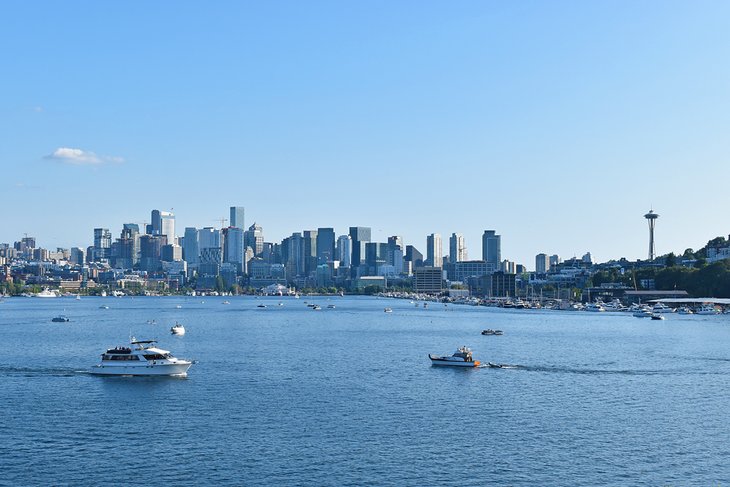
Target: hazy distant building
x=414, y=257
x=102, y=244
x=310, y=251
x=359, y=237
x=295, y=255
x=171, y=253
x=491, y=249
x=237, y=217
x=254, y=238
x=434, y=250
x=343, y=251
x=542, y=264
x=151, y=252
x=209, y=240
x=191, y=249
x=325, y=245
x=77, y=256
x=233, y=248
x=163, y=223
x=457, y=248
x=554, y=261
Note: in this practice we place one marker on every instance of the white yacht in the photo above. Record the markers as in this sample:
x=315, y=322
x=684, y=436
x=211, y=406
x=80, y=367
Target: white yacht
x=597, y=306
x=685, y=310
x=388, y=310
x=140, y=358
x=461, y=358
x=46, y=293
x=177, y=329
x=662, y=308
x=708, y=309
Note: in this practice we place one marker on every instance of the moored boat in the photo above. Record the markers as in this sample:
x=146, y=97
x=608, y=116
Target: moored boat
x=140, y=358
x=461, y=358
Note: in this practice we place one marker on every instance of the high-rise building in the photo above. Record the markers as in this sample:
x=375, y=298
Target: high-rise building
x=233, y=249
x=434, y=250
x=491, y=249
x=102, y=244
x=325, y=245
x=457, y=248
x=151, y=252
x=77, y=256
x=163, y=223
x=359, y=237
x=295, y=255
x=191, y=249
x=237, y=217
x=542, y=264
x=310, y=251
x=209, y=241
x=254, y=238
x=414, y=257
x=344, y=250
x=128, y=247
x=554, y=260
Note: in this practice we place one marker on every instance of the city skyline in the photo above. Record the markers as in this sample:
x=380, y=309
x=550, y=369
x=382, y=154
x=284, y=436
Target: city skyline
x=558, y=125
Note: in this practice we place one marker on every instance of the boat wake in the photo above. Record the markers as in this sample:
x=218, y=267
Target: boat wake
x=6, y=370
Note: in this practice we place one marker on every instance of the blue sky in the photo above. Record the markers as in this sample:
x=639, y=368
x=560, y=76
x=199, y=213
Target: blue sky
x=557, y=124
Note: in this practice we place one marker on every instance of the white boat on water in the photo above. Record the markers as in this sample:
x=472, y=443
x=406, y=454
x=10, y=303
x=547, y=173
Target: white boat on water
x=708, y=309
x=662, y=308
x=461, y=358
x=46, y=293
x=388, y=310
x=684, y=310
x=177, y=329
x=140, y=358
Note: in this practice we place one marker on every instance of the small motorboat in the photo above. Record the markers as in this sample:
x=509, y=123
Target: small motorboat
x=226, y=302
x=316, y=307
x=61, y=319
x=178, y=307
x=388, y=310
x=261, y=306
x=330, y=306
x=103, y=306
x=461, y=358
x=657, y=316
x=488, y=331
x=177, y=329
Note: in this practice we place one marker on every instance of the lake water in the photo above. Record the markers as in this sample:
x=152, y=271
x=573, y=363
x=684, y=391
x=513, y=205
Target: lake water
x=347, y=396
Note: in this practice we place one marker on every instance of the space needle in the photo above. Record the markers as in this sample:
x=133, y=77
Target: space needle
x=651, y=218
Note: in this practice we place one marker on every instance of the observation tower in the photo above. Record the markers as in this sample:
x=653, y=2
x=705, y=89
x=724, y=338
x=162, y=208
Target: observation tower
x=651, y=218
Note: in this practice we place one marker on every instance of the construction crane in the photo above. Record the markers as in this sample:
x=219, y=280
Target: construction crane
x=223, y=222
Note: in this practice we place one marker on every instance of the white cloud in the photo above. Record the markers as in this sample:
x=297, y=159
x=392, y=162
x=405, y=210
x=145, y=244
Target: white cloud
x=80, y=157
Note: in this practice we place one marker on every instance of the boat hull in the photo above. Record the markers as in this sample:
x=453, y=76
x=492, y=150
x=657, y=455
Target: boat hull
x=451, y=363
x=178, y=369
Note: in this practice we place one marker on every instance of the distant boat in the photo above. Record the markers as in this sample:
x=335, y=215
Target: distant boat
x=103, y=306
x=177, y=329
x=261, y=306
x=46, y=293
x=461, y=358
x=388, y=310
x=61, y=319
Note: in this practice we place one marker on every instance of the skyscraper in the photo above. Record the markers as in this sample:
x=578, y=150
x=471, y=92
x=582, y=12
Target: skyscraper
x=102, y=244
x=359, y=237
x=457, y=248
x=344, y=250
x=237, y=217
x=191, y=250
x=310, y=251
x=163, y=223
x=209, y=240
x=254, y=238
x=325, y=245
x=434, y=250
x=542, y=264
x=233, y=249
x=491, y=249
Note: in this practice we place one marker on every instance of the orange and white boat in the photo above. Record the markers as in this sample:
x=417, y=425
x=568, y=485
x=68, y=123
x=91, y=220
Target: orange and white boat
x=461, y=358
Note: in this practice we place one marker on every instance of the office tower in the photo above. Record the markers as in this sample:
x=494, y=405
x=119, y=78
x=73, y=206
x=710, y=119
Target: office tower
x=150, y=247
x=233, y=249
x=554, y=260
x=457, y=248
x=295, y=258
x=191, y=249
x=310, y=251
x=542, y=265
x=209, y=242
x=163, y=223
x=491, y=249
x=127, y=254
x=171, y=253
x=325, y=245
x=394, y=253
x=237, y=220
x=254, y=238
x=414, y=257
x=77, y=256
x=102, y=244
x=434, y=250
x=359, y=237
x=344, y=250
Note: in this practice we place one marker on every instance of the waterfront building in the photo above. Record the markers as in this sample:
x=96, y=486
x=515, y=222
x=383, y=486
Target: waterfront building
x=457, y=248
x=507, y=266
x=466, y=269
x=434, y=250
x=237, y=217
x=325, y=245
x=491, y=248
x=428, y=280
x=542, y=264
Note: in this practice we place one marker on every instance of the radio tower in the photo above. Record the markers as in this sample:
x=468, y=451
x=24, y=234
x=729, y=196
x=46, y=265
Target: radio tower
x=651, y=218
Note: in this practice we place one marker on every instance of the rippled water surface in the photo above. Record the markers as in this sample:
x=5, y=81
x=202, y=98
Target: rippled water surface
x=290, y=396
